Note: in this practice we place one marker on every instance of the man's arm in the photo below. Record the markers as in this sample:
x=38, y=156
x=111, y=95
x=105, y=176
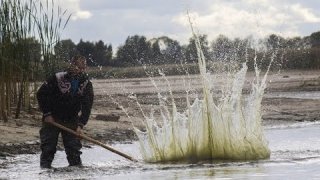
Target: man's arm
x=44, y=96
x=86, y=105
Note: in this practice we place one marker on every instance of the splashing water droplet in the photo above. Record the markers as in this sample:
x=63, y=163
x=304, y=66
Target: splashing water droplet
x=209, y=129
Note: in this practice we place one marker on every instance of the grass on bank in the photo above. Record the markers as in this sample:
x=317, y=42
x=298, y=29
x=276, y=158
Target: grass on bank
x=156, y=70
x=141, y=71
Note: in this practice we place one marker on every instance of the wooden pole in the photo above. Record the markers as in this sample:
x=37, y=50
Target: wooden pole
x=82, y=136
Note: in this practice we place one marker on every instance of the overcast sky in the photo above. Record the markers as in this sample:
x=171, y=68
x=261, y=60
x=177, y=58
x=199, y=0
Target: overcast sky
x=114, y=20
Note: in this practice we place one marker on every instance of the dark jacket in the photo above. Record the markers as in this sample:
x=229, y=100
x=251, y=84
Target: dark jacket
x=64, y=96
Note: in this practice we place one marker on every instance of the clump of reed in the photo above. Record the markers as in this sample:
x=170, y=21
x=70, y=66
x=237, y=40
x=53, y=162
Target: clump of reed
x=29, y=30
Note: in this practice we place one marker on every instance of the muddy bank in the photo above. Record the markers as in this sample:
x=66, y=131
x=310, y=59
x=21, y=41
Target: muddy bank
x=24, y=138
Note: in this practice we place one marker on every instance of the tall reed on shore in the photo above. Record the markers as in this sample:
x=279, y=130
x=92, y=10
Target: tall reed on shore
x=28, y=31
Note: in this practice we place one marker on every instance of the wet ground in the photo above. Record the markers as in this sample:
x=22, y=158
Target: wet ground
x=295, y=154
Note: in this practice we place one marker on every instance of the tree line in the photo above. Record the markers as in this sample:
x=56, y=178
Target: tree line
x=287, y=53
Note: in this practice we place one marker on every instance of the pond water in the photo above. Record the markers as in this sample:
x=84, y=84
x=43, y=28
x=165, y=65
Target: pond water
x=295, y=154
x=315, y=95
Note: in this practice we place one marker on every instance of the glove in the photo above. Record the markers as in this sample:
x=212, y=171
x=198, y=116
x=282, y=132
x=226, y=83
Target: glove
x=48, y=119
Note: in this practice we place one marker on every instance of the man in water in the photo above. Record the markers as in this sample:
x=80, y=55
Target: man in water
x=65, y=98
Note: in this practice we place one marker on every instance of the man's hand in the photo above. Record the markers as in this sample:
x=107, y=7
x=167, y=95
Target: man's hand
x=48, y=119
x=79, y=131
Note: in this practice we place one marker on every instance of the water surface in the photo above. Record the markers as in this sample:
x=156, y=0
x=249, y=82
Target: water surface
x=295, y=154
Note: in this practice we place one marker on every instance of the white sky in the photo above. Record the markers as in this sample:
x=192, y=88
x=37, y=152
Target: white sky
x=114, y=20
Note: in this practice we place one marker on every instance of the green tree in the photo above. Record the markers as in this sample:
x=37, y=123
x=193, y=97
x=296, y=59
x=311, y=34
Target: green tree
x=156, y=52
x=315, y=50
x=222, y=48
x=102, y=53
x=315, y=39
x=165, y=50
x=242, y=47
x=86, y=49
x=135, y=51
x=191, y=49
x=275, y=42
x=171, y=50
x=65, y=50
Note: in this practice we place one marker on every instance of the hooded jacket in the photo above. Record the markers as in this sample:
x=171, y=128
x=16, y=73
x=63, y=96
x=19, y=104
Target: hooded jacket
x=66, y=98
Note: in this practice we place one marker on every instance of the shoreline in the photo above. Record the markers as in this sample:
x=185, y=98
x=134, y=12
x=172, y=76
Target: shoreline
x=20, y=144
x=109, y=138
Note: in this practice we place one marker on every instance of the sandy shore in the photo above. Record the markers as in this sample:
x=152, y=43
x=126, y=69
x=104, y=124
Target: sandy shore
x=109, y=123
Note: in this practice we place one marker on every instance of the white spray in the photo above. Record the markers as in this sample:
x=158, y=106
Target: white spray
x=228, y=129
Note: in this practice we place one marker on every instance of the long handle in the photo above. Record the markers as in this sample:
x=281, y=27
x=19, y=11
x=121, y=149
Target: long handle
x=82, y=136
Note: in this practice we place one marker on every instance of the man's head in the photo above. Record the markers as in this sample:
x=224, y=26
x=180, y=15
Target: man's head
x=78, y=65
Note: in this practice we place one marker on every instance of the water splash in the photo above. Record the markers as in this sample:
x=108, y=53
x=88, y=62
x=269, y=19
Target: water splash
x=229, y=128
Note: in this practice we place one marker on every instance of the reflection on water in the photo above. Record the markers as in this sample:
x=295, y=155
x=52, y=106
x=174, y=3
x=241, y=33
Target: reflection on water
x=295, y=154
